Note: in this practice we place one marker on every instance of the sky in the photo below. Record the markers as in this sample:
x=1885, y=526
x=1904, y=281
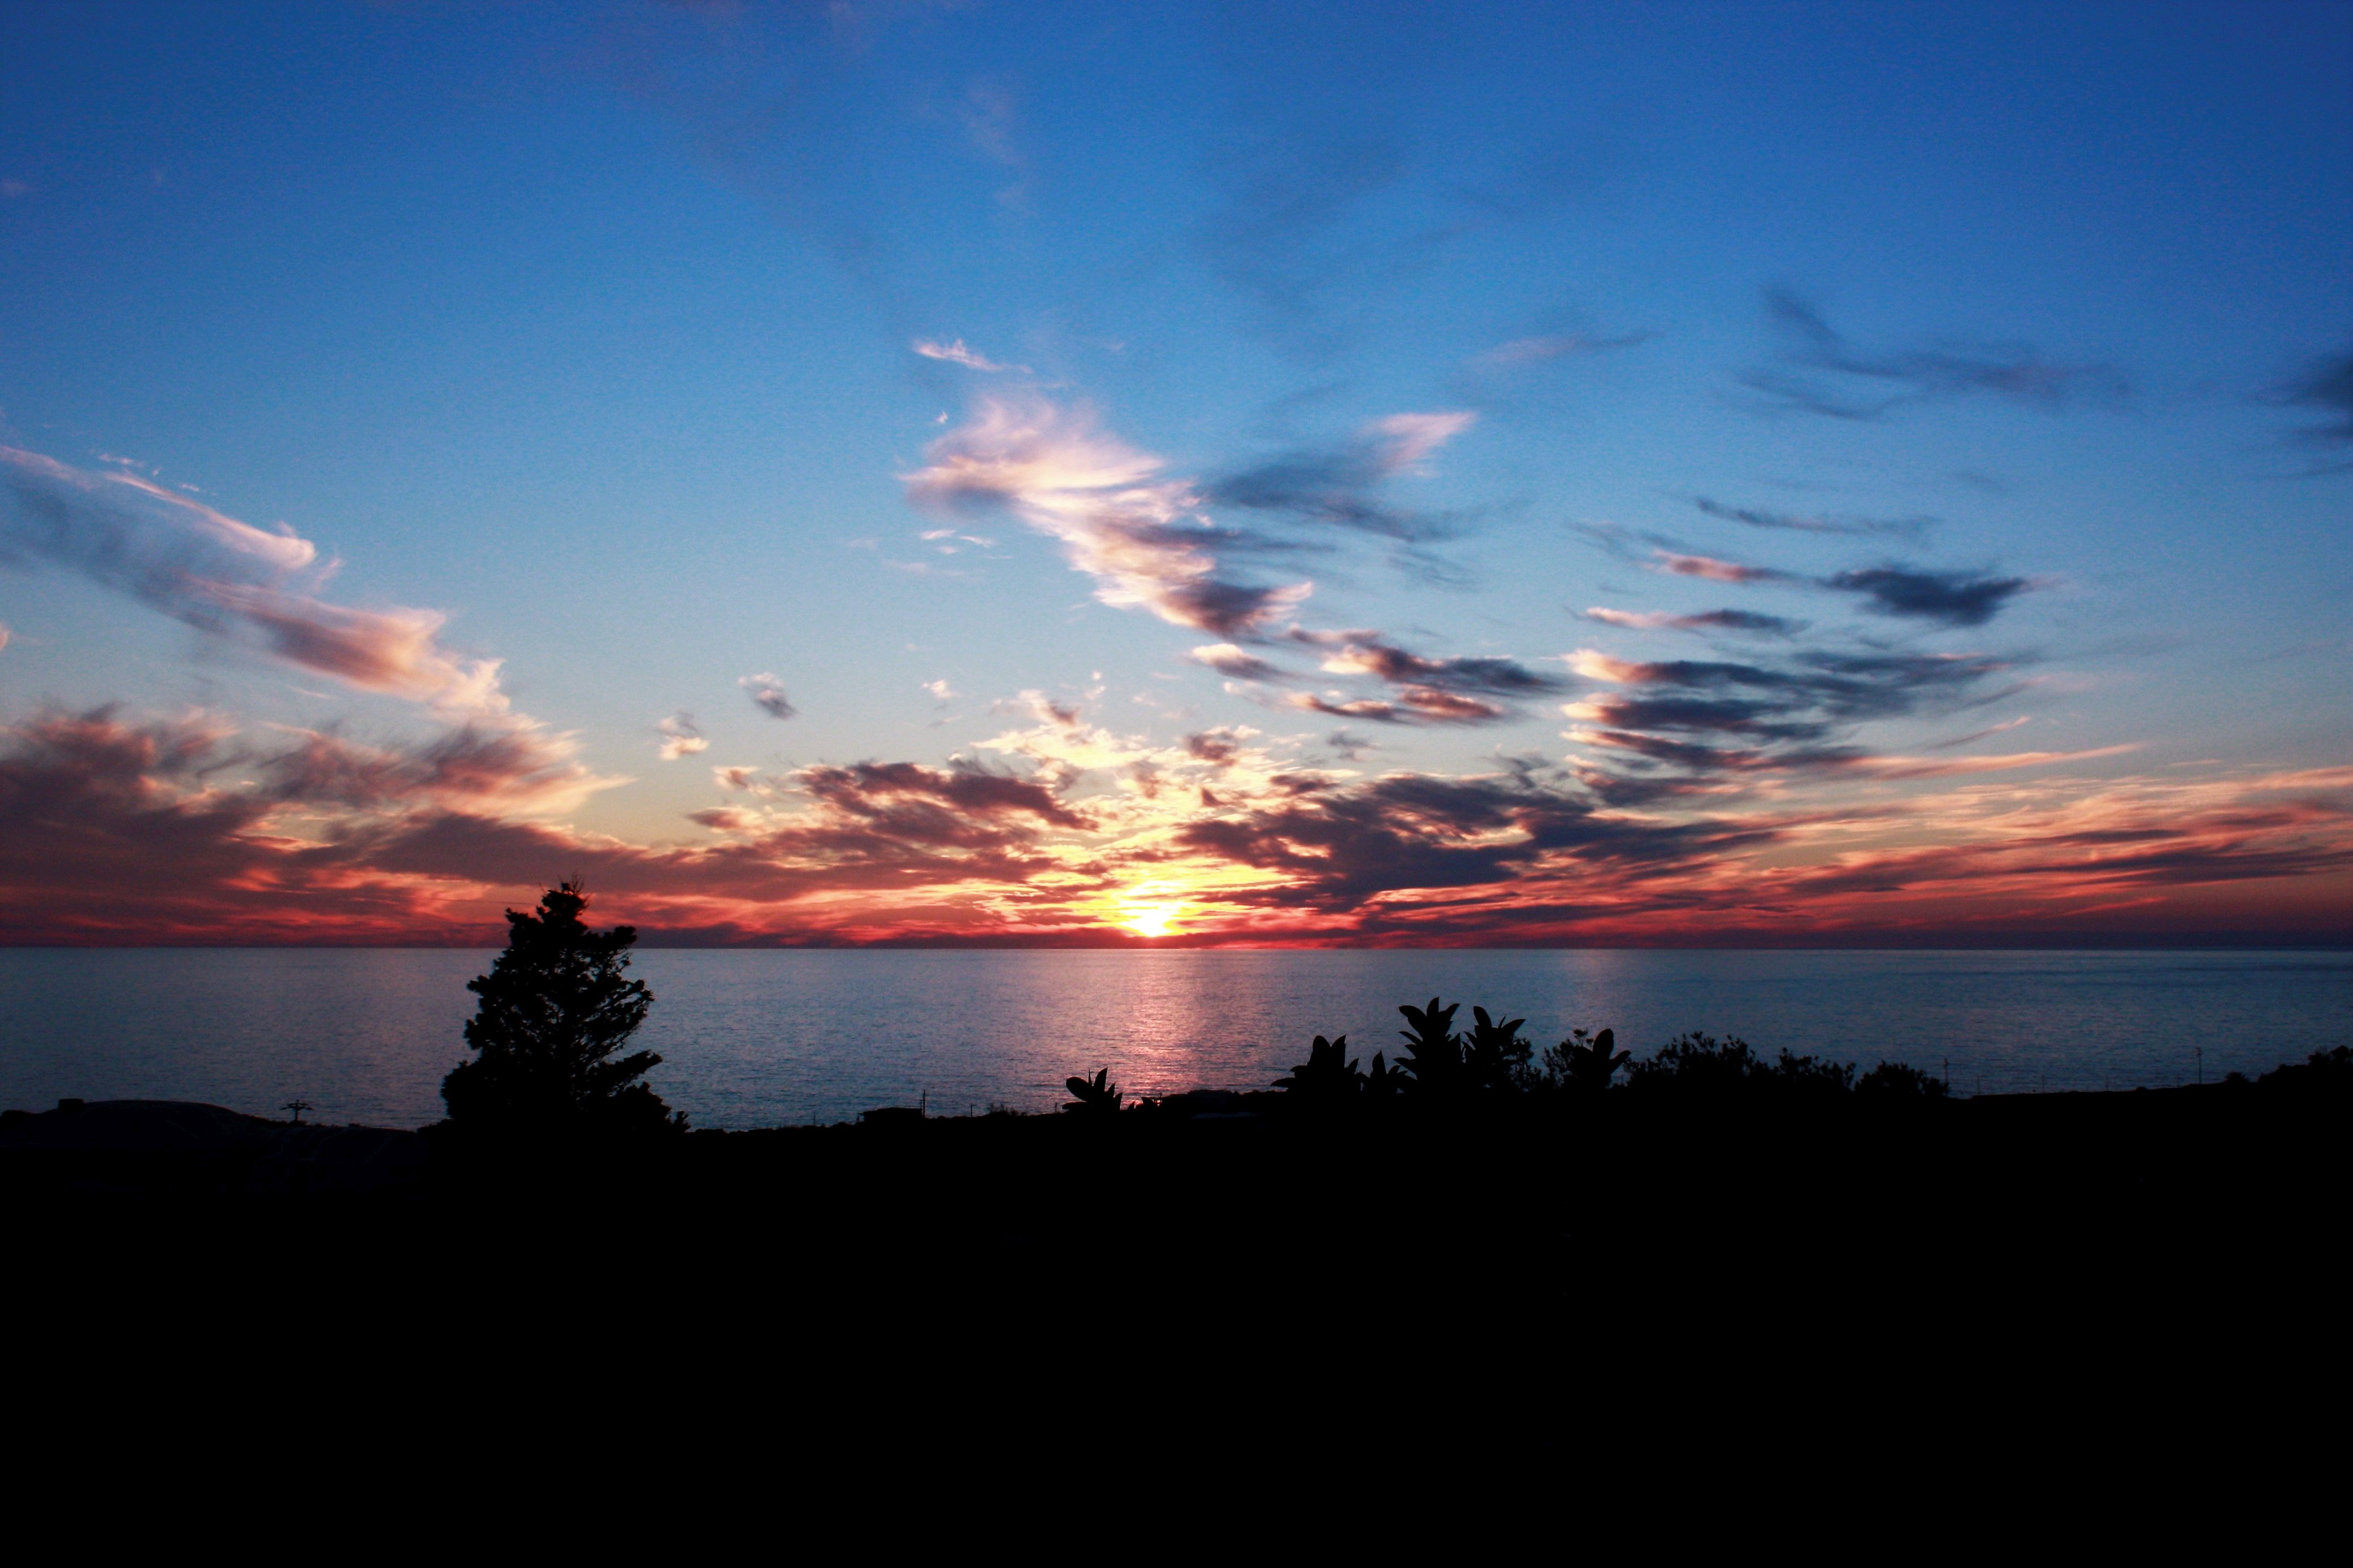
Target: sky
x=1123, y=474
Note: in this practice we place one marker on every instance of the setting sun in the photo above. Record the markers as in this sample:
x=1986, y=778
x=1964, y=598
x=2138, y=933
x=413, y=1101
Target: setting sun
x=1154, y=920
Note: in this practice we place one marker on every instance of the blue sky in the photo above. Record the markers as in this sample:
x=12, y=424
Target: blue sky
x=594, y=331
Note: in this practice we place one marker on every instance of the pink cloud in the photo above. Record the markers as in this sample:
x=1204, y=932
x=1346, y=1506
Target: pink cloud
x=1137, y=534
x=226, y=577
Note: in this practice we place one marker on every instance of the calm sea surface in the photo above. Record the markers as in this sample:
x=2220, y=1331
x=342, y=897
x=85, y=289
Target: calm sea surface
x=763, y=1039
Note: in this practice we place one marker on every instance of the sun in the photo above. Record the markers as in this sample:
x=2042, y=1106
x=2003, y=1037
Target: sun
x=1151, y=920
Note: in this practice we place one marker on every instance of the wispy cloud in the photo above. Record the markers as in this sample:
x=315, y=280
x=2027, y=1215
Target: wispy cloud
x=1335, y=485
x=1410, y=704
x=2007, y=762
x=1226, y=659
x=1714, y=569
x=1041, y=707
x=1276, y=237
x=2325, y=388
x=1715, y=717
x=1369, y=653
x=767, y=694
x=1749, y=622
x=228, y=578
x=681, y=737
x=1818, y=372
x=1756, y=517
x=1138, y=535
x=1952, y=598
x=955, y=353
x=1554, y=346
x=496, y=767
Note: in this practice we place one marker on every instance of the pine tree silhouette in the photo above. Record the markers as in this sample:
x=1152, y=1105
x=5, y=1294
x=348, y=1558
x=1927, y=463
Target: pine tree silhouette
x=556, y=1009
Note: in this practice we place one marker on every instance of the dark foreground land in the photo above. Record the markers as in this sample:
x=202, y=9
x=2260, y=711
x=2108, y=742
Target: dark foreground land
x=2226, y=1193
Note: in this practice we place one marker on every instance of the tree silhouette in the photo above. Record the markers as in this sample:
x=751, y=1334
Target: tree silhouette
x=556, y=1009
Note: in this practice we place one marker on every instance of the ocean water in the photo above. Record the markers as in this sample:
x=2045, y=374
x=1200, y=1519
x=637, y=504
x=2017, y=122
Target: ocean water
x=768, y=1039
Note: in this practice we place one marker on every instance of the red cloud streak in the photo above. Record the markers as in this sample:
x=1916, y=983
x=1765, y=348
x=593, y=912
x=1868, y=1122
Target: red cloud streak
x=179, y=832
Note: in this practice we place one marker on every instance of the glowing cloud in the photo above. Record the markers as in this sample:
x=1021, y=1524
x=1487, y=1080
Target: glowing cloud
x=228, y=578
x=1136, y=535
x=680, y=738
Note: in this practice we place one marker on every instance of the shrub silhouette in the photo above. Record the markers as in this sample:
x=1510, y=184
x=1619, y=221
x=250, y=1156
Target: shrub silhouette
x=1808, y=1078
x=1494, y=1057
x=1326, y=1077
x=1892, y=1081
x=1095, y=1095
x=1698, y=1066
x=1491, y=1061
x=556, y=1008
x=1584, y=1064
x=1433, y=1054
x=2322, y=1073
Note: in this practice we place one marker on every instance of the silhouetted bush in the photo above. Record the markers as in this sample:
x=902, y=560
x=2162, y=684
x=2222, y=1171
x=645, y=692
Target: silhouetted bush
x=1698, y=1066
x=1695, y=1064
x=1433, y=1053
x=1490, y=1064
x=1327, y=1077
x=1097, y=1095
x=1494, y=1057
x=2322, y=1073
x=556, y=1008
x=1810, y=1077
x=1582, y=1064
x=1893, y=1081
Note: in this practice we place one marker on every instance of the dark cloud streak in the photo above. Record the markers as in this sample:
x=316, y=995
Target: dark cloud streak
x=1818, y=374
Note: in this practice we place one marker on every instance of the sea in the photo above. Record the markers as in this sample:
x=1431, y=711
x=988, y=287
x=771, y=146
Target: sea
x=774, y=1037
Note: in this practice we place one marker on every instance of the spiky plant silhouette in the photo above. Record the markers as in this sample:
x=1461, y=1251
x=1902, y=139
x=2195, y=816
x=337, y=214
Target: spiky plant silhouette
x=1433, y=1052
x=1384, y=1081
x=1097, y=1095
x=1327, y=1077
x=1494, y=1057
x=1584, y=1063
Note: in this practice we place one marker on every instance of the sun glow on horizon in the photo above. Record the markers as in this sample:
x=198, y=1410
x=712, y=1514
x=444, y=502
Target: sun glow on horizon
x=1151, y=920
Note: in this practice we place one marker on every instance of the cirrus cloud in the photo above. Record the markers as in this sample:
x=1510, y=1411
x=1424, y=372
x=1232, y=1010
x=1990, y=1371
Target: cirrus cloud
x=228, y=578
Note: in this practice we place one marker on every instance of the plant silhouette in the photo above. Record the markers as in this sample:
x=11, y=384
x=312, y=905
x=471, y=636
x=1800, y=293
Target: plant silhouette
x=1383, y=1081
x=2327, y=1072
x=1433, y=1053
x=1895, y=1081
x=1698, y=1066
x=556, y=1009
x=1097, y=1095
x=1494, y=1057
x=1327, y=1077
x=1584, y=1064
